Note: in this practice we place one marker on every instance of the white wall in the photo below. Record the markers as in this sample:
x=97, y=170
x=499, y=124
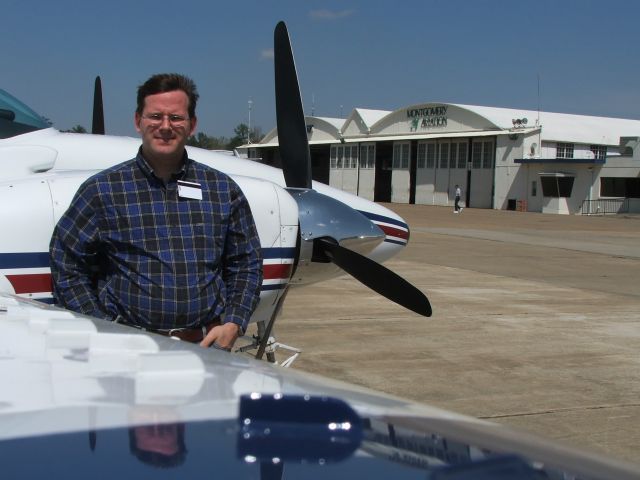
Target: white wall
x=510, y=178
x=366, y=183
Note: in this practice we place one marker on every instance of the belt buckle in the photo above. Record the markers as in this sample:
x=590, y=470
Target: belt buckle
x=173, y=331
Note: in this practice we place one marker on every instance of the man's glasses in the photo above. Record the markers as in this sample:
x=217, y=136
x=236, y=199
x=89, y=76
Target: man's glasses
x=156, y=119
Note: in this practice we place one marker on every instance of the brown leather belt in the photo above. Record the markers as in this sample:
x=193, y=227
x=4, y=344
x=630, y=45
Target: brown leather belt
x=193, y=335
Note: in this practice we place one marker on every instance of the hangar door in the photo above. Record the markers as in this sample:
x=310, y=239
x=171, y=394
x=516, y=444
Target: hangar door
x=480, y=186
x=366, y=171
x=400, y=176
x=441, y=165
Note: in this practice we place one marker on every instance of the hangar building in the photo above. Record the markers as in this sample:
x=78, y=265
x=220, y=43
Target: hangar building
x=501, y=158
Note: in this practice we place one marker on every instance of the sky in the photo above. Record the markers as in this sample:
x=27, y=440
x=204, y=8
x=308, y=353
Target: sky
x=569, y=56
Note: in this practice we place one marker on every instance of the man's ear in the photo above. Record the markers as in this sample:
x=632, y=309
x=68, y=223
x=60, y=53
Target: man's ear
x=194, y=123
x=136, y=122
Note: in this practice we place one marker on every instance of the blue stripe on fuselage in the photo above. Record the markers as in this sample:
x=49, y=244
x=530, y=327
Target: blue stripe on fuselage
x=270, y=253
x=24, y=260
x=380, y=218
x=41, y=259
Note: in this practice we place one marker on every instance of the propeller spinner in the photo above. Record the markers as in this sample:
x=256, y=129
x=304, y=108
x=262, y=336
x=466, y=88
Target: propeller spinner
x=323, y=241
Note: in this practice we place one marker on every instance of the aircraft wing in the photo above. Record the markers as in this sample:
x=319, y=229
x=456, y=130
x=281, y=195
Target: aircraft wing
x=82, y=398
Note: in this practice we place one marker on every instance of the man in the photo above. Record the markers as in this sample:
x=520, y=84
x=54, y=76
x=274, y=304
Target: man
x=458, y=193
x=161, y=242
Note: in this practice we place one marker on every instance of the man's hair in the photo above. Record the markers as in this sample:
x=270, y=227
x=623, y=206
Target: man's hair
x=168, y=82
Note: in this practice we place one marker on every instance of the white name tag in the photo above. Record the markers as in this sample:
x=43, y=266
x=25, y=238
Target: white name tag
x=189, y=190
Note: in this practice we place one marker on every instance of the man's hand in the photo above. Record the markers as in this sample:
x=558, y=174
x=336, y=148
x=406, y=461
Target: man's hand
x=223, y=336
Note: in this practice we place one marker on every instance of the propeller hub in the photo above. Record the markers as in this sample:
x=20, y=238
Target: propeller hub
x=321, y=216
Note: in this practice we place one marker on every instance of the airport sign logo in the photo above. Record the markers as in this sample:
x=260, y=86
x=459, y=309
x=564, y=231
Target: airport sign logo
x=427, y=117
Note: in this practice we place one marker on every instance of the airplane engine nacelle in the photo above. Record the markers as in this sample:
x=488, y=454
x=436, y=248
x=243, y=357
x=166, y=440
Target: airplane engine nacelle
x=322, y=216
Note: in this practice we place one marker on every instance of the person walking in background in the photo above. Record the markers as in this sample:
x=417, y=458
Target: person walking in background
x=458, y=193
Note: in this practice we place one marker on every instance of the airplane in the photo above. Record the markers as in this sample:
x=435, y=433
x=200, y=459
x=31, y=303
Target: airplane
x=309, y=232
x=84, y=397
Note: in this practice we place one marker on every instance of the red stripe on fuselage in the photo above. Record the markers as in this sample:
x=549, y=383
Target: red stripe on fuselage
x=41, y=282
x=277, y=270
x=31, y=283
x=394, y=232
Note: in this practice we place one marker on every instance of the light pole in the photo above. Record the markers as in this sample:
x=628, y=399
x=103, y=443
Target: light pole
x=249, y=129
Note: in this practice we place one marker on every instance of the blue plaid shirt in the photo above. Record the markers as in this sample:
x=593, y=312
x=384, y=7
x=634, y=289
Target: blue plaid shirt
x=130, y=246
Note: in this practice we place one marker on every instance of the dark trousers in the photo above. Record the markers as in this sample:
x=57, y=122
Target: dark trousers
x=457, y=204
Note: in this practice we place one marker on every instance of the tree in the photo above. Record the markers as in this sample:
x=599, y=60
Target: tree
x=242, y=136
x=202, y=140
x=256, y=134
x=76, y=129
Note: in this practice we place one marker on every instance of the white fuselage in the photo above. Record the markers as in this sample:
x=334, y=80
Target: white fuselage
x=41, y=171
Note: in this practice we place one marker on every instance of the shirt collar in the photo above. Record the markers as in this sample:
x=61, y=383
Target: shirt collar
x=148, y=170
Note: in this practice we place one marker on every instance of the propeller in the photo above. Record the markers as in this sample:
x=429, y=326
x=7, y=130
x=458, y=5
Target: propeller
x=375, y=276
x=292, y=131
x=97, y=127
x=296, y=165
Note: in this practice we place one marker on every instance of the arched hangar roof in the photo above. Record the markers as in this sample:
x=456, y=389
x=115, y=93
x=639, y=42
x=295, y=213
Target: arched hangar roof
x=439, y=119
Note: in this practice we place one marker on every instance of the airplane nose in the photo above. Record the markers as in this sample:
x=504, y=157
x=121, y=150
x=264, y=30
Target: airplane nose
x=395, y=229
x=323, y=216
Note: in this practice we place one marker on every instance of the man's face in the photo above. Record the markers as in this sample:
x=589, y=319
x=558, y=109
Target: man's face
x=161, y=438
x=165, y=125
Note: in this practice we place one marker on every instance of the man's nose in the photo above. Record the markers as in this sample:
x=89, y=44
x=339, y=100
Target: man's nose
x=165, y=123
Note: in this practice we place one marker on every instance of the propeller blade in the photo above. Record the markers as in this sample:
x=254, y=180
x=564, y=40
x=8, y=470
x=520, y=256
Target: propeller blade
x=376, y=277
x=97, y=127
x=292, y=131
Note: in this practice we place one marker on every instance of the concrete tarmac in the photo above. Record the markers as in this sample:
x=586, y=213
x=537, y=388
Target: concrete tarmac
x=536, y=324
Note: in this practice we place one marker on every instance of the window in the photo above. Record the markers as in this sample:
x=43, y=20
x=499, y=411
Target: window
x=444, y=155
x=431, y=155
x=564, y=150
x=553, y=186
x=620, y=187
x=476, y=155
x=453, y=155
x=351, y=157
x=334, y=156
x=405, y=155
x=367, y=156
x=482, y=154
x=599, y=151
x=422, y=155
x=397, y=154
x=462, y=155
x=487, y=155
x=401, y=155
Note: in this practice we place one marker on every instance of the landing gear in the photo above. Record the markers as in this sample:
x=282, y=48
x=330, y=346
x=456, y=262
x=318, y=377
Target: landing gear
x=270, y=348
x=266, y=344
